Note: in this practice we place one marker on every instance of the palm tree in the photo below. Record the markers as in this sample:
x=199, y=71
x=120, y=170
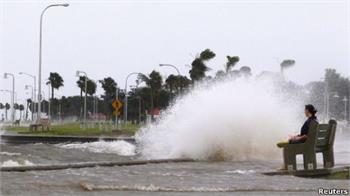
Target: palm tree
x=171, y=83
x=16, y=107
x=109, y=86
x=81, y=85
x=91, y=89
x=7, y=107
x=21, y=108
x=199, y=68
x=245, y=71
x=154, y=81
x=176, y=83
x=231, y=62
x=285, y=64
x=2, y=106
x=56, y=81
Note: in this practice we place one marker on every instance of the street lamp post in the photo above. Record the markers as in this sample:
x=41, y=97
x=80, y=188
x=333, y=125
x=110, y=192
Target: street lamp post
x=77, y=74
x=27, y=87
x=126, y=96
x=173, y=66
x=335, y=95
x=49, y=100
x=6, y=75
x=40, y=53
x=34, y=89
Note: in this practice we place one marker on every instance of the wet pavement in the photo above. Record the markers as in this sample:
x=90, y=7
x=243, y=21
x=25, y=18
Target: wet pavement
x=191, y=178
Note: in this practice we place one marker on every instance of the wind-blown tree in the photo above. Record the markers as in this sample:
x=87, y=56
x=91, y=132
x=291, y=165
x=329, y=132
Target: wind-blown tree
x=90, y=84
x=245, y=71
x=220, y=74
x=2, y=106
x=199, y=68
x=337, y=85
x=177, y=83
x=183, y=83
x=7, y=107
x=171, y=82
x=56, y=81
x=109, y=86
x=15, y=107
x=231, y=62
x=285, y=64
x=21, y=108
x=91, y=89
x=154, y=81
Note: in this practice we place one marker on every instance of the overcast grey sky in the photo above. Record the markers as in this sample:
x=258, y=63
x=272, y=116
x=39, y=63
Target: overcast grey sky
x=114, y=38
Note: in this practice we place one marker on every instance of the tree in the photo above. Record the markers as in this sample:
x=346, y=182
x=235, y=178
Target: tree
x=245, y=71
x=337, y=85
x=90, y=84
x=154, y=82
x=231, y=62
x=7, y=107
x=199, y=68
x=109, y=86
x=171, y=82
x=2, y=106
x=285, y=64
x=91, y=89
x=56, y=81
x=21, y=108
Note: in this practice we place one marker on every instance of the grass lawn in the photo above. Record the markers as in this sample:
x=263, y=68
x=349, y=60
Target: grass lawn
x=75, y=130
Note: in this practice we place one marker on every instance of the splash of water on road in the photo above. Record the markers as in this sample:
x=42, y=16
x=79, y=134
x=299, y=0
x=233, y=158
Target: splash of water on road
x=121, y=148
x=226, y=120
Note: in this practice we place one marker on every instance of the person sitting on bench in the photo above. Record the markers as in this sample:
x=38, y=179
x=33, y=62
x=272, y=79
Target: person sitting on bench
x=310, y=113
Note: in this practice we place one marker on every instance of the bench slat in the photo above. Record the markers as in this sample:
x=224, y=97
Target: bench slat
x=323, y=133
x=321, y=142
x=323, y=127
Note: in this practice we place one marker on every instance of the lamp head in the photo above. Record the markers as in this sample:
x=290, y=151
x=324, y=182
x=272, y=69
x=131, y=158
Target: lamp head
x=65, y=5
x=20, y=73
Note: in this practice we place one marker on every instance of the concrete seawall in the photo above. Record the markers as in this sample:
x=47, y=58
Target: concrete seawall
x=27, y=139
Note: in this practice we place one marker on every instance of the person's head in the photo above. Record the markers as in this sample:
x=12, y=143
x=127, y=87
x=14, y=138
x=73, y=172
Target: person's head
x=310, y=110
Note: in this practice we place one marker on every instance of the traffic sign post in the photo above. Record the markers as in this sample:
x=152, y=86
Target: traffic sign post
x=117, y=105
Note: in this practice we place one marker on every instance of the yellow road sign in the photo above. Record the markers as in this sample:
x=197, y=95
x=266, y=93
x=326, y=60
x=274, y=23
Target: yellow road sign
x=116, y=112
x=116, y=104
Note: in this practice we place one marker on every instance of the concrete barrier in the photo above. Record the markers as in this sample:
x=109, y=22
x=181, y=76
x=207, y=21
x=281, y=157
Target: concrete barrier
x=90, y=164
x=26, y=139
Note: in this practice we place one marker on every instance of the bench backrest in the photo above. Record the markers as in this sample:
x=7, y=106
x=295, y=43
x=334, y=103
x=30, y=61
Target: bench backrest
x=321, y=136
x=326, y=134
x=312, y=134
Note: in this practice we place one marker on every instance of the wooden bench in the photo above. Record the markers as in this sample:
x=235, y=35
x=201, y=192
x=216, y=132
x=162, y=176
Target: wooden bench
x=43, y=123
x=320, y=139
